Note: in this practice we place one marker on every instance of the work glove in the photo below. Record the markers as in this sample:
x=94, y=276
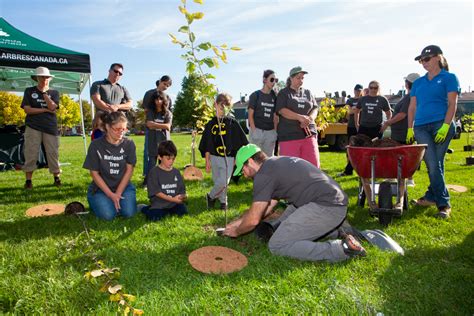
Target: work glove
x=410, y=136
x=441, y=134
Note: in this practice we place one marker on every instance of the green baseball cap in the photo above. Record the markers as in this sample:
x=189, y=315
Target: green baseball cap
x=297, y=70
x=244, y=153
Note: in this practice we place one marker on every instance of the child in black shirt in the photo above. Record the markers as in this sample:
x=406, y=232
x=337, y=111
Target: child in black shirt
x=165, y=185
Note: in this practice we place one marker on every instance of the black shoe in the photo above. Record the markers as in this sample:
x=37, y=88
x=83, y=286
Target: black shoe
x=352, y=247
x=223, y=206
x=57, y=181
x=28, y=185
x=210, y=202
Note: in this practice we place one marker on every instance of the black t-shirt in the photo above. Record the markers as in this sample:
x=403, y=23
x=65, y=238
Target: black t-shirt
x=351, y=102
x=110, y=160
x=264, y=108
x=372, y=109
x=301, y=102
x=297, y=181
x=168, y=182
x=43, y=122
x=399, y=129
x=232, y=133
x=156, y=136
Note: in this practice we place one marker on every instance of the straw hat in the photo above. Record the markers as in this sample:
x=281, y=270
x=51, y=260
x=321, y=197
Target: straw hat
x=42, y=72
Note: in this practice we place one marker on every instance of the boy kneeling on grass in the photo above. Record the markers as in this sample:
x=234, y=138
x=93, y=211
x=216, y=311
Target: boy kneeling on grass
x=165, y=185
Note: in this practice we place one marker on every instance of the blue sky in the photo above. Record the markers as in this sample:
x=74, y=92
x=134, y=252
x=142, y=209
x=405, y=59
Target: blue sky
x=340, y=43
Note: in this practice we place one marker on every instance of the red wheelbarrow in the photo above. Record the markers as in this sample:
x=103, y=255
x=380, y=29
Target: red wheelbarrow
x=398, y=163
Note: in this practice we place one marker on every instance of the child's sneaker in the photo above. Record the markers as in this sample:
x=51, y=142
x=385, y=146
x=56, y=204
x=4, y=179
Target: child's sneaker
x=210, y=202
x=223, y=206
x=352, y=247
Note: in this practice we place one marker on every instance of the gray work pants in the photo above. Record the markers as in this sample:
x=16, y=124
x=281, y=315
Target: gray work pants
x=300, y=226
x=264, y=139
x=220, y=177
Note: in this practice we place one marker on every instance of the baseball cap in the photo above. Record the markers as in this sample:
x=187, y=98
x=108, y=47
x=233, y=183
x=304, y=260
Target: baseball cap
x=412, y=77
x=358, y=87
x=297, y=70
x=244, y=153
x=430, y=50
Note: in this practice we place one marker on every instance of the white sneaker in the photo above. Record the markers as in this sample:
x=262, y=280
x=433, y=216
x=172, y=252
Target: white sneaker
x=411, y=182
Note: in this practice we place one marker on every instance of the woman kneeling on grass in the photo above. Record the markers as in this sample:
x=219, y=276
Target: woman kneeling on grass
x=111, y=160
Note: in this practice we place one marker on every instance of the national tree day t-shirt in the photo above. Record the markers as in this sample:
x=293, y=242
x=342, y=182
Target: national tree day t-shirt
x=372, y=108
x=110, y=160
x=168, y=182
x=43, y=122
x=263, y=105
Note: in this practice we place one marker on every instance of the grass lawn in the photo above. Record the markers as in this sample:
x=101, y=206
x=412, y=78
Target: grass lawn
x=39, y=276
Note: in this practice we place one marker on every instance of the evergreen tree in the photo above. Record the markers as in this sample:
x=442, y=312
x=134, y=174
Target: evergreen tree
x=186, y=110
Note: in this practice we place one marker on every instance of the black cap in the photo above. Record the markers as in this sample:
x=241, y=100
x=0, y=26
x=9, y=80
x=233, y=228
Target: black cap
x=358, y=87
x=431, y=50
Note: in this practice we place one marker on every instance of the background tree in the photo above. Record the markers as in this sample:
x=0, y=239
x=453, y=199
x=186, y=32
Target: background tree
x=11, y=112
x=204, y=95
x=137, y=118
x=186, y=113
x=86, y=108
x=68, y=114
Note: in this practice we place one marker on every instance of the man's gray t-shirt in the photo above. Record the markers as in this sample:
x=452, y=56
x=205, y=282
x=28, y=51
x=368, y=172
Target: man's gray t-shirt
x=352, y=102
x=372, y=109
x=168, y=182
x=156, y=136
x=110, y=93
x=110, y=160
x=301, y=102
x=297, y=181
x=263, y=105
x=399, y=129
x=43, y=122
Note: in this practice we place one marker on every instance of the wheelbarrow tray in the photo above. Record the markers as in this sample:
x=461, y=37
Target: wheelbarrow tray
x=386, y=160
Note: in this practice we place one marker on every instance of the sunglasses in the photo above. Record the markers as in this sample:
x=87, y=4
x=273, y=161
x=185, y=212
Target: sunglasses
x=119, y=129
x=274, y=80
x=373, y=88
x=117, y=72
x=426, y=59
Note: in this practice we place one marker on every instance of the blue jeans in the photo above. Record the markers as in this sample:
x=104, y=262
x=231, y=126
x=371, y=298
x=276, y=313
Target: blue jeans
x=104, y=208
x=434, y=160
x=155, y=214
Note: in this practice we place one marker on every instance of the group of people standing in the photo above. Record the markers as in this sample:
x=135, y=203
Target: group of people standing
x=317, y=204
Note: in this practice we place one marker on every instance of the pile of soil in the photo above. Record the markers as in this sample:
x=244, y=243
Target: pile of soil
x=74, y=208
x=362, y=140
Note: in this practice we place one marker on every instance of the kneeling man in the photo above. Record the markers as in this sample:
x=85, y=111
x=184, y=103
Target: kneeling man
x=317, y=207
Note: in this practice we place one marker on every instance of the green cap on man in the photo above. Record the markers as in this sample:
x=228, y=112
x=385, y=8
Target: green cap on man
x=244, y=153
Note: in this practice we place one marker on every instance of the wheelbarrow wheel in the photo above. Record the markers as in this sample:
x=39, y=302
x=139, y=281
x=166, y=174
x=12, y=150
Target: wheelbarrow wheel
x=385, y=219
x=385, y=195
x=385, y=202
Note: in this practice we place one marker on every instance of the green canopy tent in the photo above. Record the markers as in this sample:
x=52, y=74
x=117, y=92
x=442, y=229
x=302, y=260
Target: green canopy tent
x=21, y=53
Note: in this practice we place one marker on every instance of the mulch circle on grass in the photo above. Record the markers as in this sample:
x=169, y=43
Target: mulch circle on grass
x=45, y=210
x=456, y=188
x=217, y=260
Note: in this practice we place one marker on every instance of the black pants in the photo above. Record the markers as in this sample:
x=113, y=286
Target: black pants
x=351, y=131
x=372, y=132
